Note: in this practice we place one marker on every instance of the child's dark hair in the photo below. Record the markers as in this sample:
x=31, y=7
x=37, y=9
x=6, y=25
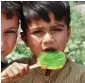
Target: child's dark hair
x=40, y=10
x=11, y=8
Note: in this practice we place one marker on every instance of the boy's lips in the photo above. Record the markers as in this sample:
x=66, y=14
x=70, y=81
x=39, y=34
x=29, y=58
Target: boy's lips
x=49, y=49
x=2, y=52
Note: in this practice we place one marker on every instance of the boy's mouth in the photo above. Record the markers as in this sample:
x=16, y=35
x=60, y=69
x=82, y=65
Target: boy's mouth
x=49, y=49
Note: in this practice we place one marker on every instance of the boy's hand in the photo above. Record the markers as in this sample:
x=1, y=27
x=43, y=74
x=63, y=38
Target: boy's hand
x=14, y=72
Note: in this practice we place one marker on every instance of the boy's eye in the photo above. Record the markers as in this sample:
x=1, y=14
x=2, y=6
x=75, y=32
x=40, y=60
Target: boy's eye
x=37, y=32
x=56, y=29
x=11, y=31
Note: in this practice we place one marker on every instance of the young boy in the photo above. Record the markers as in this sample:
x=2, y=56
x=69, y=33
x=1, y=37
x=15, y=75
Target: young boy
x=45, y=26
x=10, y=16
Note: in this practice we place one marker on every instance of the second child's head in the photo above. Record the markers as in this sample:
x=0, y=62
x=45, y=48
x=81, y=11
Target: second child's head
x=46, y=25
x=10, y=15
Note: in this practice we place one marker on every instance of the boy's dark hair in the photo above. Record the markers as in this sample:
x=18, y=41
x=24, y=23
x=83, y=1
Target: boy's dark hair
x=40, y=10
x=11, y=8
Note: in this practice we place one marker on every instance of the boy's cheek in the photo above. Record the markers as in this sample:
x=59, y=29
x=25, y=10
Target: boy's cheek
x=9, y=47
x=35, y=47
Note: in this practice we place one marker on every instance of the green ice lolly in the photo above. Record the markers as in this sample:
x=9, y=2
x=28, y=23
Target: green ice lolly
x=51, y=59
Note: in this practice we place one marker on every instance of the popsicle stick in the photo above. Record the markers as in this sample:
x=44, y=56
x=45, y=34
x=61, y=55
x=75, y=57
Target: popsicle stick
x=34, y=66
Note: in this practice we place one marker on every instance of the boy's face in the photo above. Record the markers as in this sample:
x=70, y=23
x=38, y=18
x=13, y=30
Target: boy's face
x=41, y=35
x=9, y=29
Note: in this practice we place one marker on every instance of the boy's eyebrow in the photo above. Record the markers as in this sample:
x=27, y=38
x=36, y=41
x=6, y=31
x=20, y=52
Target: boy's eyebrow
x=58, y=25
x=36, y=28
x=13, y=27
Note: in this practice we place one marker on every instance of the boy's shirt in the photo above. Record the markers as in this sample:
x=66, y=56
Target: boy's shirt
x=71, y=73
x=4, y=64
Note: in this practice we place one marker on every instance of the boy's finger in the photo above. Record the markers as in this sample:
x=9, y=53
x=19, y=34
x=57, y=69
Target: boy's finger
x=7, y=75
x=10, y=73
x=15, y=71
x=20, y=68
x=26, y=67
x=4, y=79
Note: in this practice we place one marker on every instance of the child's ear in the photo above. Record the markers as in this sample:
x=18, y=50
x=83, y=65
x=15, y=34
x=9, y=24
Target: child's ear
x=69, y=31
x=23, y=37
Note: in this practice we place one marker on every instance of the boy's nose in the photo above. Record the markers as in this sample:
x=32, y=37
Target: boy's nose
x=3, y=43
x=48, y=39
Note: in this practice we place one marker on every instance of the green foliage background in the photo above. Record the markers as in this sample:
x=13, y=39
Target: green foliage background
x=75, y=47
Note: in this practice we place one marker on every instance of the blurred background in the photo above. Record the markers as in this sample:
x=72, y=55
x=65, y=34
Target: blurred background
x=75, y=48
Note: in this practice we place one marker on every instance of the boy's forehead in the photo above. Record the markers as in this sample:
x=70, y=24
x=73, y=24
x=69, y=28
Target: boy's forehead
x=8, y=16
x=40, y=21
x=4, y=16
x=9, y=23
x=51, y=16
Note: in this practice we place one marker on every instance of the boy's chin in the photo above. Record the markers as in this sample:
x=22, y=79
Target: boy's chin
x=2, y=58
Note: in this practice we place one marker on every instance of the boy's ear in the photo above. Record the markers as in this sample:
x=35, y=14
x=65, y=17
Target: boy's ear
x=69, y=31
x=23, y=37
